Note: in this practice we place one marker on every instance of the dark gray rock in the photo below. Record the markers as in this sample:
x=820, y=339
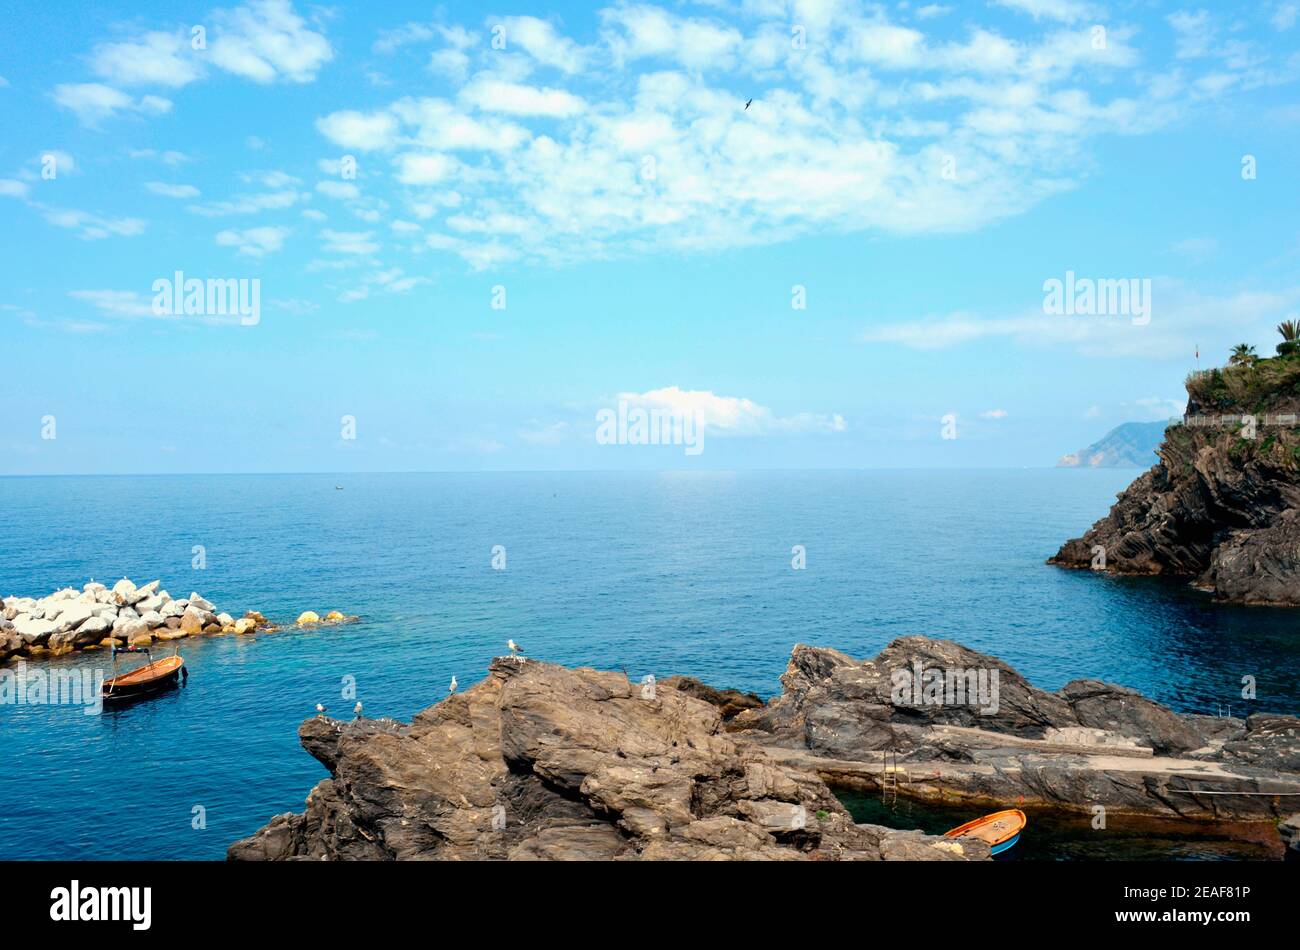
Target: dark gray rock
x=538, y=762
x=1092, y=743
x=1217, y=509
x=1099, y=705
x=730, y=702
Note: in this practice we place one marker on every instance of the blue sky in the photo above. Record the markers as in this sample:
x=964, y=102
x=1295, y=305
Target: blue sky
x=918, y=170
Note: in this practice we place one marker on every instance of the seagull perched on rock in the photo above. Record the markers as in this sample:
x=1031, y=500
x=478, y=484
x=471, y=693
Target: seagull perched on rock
x=452, y=687
x=357, y=709
x=320, y=709
x=514, y=647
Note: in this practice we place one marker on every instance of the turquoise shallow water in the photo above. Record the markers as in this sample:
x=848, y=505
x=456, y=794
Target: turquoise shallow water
x=655, y=572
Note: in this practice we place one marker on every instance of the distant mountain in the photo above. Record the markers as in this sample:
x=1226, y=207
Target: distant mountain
x=1131, y=445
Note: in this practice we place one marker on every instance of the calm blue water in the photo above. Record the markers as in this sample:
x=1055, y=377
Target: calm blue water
x=657, y=573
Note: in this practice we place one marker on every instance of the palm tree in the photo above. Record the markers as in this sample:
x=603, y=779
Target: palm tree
x=1243, y=354
x=1290, y=330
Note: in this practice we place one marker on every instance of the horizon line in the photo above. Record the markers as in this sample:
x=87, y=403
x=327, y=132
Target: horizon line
x=585, y=471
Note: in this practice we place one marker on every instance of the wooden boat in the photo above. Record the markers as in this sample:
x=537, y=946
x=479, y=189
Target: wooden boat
x=151, y=678
x=1000, y=830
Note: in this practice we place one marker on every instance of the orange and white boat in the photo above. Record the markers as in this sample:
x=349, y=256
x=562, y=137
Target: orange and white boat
x=999, y=830
x=153, y=677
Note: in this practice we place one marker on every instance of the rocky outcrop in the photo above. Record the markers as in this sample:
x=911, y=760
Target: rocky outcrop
x=539, y=762
x=1220, y=507
x=97, y=615
x=730, y=702
x=1290, y=832
x=860, y=724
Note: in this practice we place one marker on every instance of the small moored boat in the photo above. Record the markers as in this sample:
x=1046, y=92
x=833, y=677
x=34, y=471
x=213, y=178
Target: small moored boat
x=999, y=830
x=153, y=677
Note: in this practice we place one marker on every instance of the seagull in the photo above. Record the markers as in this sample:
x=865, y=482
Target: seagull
x=514, y=647
x=320, y=709
x=747, y=105
x=452, y=687
x=357, y=709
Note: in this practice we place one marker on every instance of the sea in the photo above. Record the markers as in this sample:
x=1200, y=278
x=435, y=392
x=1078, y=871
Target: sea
x=712, y=574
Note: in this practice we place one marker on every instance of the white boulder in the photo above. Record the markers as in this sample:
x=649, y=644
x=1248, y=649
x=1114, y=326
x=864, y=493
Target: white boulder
x=33, y=631
x=72, y=615
x=91, y=632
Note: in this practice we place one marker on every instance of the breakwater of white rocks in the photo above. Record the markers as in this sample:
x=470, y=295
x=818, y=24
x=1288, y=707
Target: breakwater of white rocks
x=122, y=615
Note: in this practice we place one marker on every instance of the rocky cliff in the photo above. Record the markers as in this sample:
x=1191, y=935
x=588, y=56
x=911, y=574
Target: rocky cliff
x=1220, y=507
x=540, y=762
x=1089, y=744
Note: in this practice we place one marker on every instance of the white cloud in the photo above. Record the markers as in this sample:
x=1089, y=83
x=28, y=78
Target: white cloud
x=12, y=188
x=1157, y=407
x=64, y=164
x=156, y=58
x=262, y=40
x=649, y=145
x=170, y=157
x=95, y=102
x=541, y=41
x=250, y=204
x=343, y=190
x=424, y=169
x=1286, y=14
x=638, y=31
x=993, y=414
x=265, y=40
x=1181, y=319
x=1195, y=33
x=92, y=227
x=116, y=303
x=494, y=95
x=391, y=281
x=168, y=190
x=390, y=40
x=254, y=242
x=352, y=129
x=440, y=124
x=1066, y=11
x=731, y=415
x=349, y=242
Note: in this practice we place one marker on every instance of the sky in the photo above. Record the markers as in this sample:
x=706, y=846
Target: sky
x=824, y=230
